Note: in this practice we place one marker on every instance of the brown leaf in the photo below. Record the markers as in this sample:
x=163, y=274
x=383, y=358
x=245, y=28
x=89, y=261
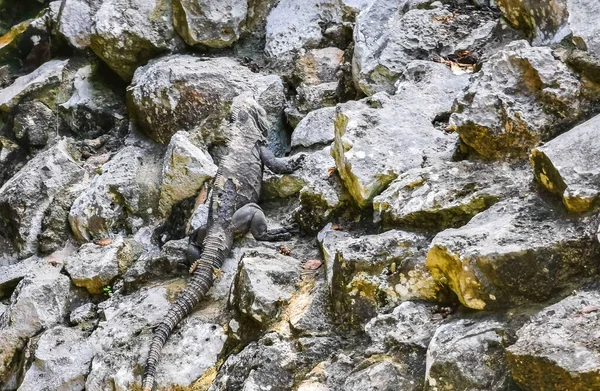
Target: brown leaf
x=313, y=264
x=103, y=242
x=285, y=250
x=331, y=171
x=336, y=227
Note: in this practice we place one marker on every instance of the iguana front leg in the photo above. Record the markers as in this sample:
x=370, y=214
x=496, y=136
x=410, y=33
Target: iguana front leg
x=277, y=165
x=195, y=247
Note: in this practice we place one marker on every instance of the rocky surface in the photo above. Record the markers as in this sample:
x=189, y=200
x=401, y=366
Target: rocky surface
x=431, y=254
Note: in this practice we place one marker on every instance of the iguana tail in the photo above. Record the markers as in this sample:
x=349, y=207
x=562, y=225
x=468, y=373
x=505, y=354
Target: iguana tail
x=215, y=249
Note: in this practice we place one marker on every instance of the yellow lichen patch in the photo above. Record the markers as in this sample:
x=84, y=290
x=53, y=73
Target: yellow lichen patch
x=173, y=288
x=14, y=32
x=578, y=204
x=205, y=381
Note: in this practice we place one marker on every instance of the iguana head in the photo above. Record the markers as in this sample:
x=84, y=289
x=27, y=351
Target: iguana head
x=245, y=112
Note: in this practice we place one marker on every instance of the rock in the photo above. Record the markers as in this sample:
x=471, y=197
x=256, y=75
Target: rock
x=126, y=190
x=215, y=24
x=33, y=122
x=47, y=77
x=122, y=339
x=12, y=273
x=181, y=92
x=308, y=310
x=94, y=108
x=374, y=272
x=61, y=361
x=286, y=35
x=389, y=35
x=76, y=21
x=583, y=27
x=128, y=33
x=521, y=96
x=82, y=314
x=315, y=97
x=385, y=375
x=369, y=133
x=477, y=261
x=558, y=166
x=26, y=197
x=12, y=158
x=321, y=193
x=264, y=283
x=185, y=169
x=270, y=94
x=39, y=302
x=11, y=357
x=94, y=267
x=316, y=128
x=559, y=346
x=317, y=72
x=468, y=354
x=446, y=195
x=272, y=363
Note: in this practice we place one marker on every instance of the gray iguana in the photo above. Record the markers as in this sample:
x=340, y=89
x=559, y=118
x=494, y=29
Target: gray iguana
x=232, y=211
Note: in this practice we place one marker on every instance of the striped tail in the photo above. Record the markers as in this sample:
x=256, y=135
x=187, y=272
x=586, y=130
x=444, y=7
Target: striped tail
x=216, y=248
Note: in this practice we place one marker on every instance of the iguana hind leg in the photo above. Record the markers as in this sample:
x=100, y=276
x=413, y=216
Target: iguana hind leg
x=251, y=218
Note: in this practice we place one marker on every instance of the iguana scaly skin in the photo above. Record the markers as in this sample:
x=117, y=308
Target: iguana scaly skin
x=232, y=211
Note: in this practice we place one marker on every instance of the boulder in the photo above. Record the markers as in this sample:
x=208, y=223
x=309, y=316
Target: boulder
x=12, y=159
x=264, y=284
x=33, y=123
x=314, y=129
x=94, y=108
x=386, y=375
x=565, y=166
x=126, y=191
x=375, y=272
x=76, y=21
x=11, y=357
x=521, y=96
x=294, y=25
x=13, y=272
x=468, y=354
x=309, y=310
x=62, y=361
x=446, y=195
x=270, y=94
x=185, y=168
x=26, y=197
x=128, y=33
x=389, y=35
x=182, y=92
x=369, y=133
x=216, y=24
x=558, y=347
x=517, y=251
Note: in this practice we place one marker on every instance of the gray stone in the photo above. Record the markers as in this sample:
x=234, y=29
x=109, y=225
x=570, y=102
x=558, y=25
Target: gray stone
x=128, y=33
x=12, y=273
x=314, y=97
x=318, y=66
x=11, y=351
x=264, y=284
x=76, y=21
x=559, y=346
x=293, y=25
x=389, y=35
x=209, y=23
x=26, y=197
x=565, y=166
x=185, y=169
x=370, y=133
x=468, y=354
x=521, y=96
x=374, y=272
x=270, y=94
x=446, y=195
x=478, y=261
x=127, y=187
x=93, y=109
x=83, y=313
x=181, y=92
x=585, y=30
x=61, y=361
x=308, y=310
x=384, y=375
x=315, y=128
x=33, y=122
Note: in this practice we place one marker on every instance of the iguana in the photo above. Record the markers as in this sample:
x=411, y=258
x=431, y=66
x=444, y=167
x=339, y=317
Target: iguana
x=232, y=211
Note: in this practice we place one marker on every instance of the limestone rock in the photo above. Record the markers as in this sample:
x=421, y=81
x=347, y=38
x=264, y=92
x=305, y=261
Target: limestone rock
x=478, y=261
x=389, y=35
x=33, y=123
x=385, y=375
x=293, y=25
x=270, y=94
x=128, y=33
x=126, y=190
x=309, y=312
x=521, y=96
x=11, y=352
x=369, y=133
x=13, y=272
x=209, y=23
x=559, y=346
x=94, y=108
x=374, y=272
x=565, y=166
x=185, y=169
x=95, y=267
x=76, y=21
x=586, y=33
x=61, y=361
x=26, y=197
x=12, y=159
x=265, y=283
x=82, y=314
x=446, y=195
x=181, y=92
x=317, y=72
x=468, y=354
x=315, y=128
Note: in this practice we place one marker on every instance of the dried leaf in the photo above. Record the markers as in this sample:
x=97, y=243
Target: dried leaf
x=331, y=171
x=313, y=264
x=285, y=250
x=103, y=242
x=336, y=227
